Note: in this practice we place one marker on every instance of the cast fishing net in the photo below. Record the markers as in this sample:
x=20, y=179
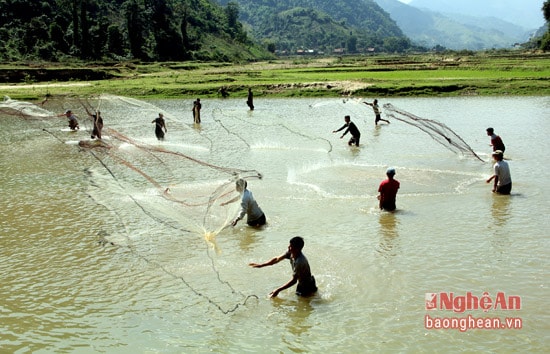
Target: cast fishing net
x=166, y=204
x=436, y=130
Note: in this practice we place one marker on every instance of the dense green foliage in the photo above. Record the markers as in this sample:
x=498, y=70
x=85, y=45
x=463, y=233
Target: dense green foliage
x=322, y=25
x=545, y=40
x=149, y=30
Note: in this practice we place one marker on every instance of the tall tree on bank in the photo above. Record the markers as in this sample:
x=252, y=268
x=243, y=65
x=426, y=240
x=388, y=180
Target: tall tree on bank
x=168, y=39
x=135, y=23
x=545, y=40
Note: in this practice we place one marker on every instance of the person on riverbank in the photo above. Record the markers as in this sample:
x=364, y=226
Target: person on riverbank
x=73, y=122
x=250, y=99
x=377, y=112
x=160, y=126
x=352, y=129
x=197, y=106
x=223, y=92
x=249, y=206
x=496, y=141
x=502, y=178
x=388, y=191
x=301, y=272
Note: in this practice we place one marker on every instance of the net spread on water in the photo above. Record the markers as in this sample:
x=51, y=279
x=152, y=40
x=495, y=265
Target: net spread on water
x=436, y=130
x=161, y=182
x=139, y=177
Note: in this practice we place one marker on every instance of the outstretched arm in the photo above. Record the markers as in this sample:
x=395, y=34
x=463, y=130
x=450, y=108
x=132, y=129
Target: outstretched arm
x=337, y=130
x=231, y=201
x=87, y=111
x=272, y=261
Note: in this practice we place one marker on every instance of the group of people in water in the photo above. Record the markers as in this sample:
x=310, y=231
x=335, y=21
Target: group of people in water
x=255, y=217
x=387, y=190
x=301, y=272
x=97, y=122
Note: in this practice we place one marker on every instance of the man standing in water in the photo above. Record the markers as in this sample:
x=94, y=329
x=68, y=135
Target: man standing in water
x=301, y=272
x=376, y=110
x=502, y=178
x=160, y=124
x=496, y=141
x=250, y=99
x=352, y=128
x=197, y=111
x=388, y=191
x=98, y=123
x=249, y=206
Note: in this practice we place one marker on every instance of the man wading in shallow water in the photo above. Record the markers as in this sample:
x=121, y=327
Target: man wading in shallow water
x=388, y=191
x=502, y=177
x=301, y=273
x=352, y=129
x=376, y=109
x=249, y=206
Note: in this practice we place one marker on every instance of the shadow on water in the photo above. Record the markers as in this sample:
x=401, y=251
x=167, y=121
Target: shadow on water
x=296, y=313
x=388, y=234
x=501, y=209
x=501, y=214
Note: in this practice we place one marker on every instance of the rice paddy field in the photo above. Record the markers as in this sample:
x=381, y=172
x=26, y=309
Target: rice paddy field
x=428, y=75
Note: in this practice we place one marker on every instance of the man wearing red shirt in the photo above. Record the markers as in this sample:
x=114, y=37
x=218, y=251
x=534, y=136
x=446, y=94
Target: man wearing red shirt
x=388, y=190
x=496, y=141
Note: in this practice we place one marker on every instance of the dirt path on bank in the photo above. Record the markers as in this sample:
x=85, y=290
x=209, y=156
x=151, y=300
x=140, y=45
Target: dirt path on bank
x=30, y=86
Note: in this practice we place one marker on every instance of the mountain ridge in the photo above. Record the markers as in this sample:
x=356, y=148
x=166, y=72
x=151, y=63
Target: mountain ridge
x=454, y=31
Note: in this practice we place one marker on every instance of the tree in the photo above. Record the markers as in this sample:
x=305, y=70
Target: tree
x=115, y=40
x=85, y=43
x=76, y=27
x=168, y=39
x=58, y=38
x=545, y=40
x=352, y=44
x=232, y=13
x=135, y=23
x=546, y=10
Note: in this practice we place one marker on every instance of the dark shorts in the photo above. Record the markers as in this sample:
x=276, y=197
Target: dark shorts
x=506, y=189
x=354, y=140
x=307, y=289
x=258, y=222
x=389, y=206
x=159, y=133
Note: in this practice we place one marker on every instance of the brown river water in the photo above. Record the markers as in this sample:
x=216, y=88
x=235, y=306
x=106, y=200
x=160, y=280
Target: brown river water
x=123, y=247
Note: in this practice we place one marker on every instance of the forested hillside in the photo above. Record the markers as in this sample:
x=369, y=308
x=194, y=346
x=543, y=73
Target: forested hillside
x=149, y=30
x=349, y=26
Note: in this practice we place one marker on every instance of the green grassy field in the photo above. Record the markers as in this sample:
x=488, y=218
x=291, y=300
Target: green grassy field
x=507, y=73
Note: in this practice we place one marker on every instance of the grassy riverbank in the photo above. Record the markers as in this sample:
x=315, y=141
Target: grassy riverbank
x=507, y=73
